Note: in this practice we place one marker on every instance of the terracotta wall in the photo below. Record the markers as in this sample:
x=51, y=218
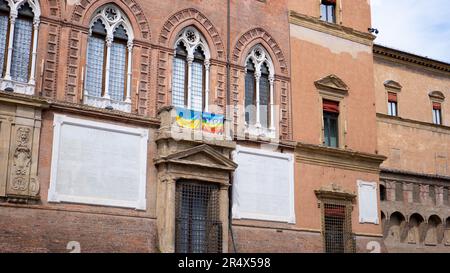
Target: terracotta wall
x=411, y=142
x=353, y=13
x=316, y=55
x=417, y=82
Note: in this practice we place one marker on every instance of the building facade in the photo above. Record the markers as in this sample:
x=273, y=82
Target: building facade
x=412, y=112
x=214, y=126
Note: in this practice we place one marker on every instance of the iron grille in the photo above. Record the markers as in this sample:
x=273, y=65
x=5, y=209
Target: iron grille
x=198, y=226
x=338, y=237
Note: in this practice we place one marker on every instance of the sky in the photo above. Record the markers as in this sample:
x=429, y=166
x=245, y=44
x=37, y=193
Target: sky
x=421, y=27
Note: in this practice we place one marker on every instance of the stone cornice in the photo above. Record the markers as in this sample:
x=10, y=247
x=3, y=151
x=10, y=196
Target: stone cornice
x=21, y=99
x=338, y=158
x=405, y=57
x=324, y=194
x=413, y=123
x=332, y=29
x=77, y=109
x=413, y=177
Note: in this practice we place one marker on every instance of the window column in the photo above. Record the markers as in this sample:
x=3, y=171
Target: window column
x=129, y=71
x=34, y=52
x=12, y=23
x=207, y=68
x=190, y=61
x=258, y=112
x=109, y=41
x=272, y=103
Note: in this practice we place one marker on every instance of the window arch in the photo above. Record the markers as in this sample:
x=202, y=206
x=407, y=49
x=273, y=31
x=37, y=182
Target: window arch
x=259, y=90
x=190, y=72
x=19, y=25
x=109, y=60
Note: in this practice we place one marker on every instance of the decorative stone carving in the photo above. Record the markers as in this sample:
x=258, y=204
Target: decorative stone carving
x=332, y=83
x=21, y=161
x=19, y=138
x=393, y=85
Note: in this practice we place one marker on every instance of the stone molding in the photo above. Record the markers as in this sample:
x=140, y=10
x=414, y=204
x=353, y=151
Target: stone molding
x=332, y=29
x=338, y=158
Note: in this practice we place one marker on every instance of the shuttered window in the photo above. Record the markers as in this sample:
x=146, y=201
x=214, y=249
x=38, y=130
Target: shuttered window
x=328, y=11
x=330, y=123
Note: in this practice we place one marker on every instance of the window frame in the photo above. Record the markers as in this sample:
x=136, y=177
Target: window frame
x=185, y=36
x=330, y=116
x=393, y=108
x=437, y=113
x=111, y=25
x=6, y=78
x=259, y=56
x=334, y=12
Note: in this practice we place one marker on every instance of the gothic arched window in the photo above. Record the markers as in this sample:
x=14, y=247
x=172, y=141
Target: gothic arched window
x=190, y=72
x=19, y=23
x=108, y=67
x=259, y=84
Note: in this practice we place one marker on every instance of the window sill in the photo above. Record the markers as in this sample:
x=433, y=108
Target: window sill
x=258, y=131
x=18, y=87
x=105, y=102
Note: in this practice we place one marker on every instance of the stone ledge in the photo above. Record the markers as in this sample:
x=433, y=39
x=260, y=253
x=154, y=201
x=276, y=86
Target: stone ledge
x=332, y=29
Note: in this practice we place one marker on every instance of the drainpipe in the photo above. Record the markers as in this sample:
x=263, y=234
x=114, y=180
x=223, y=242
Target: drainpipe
x=227, y=114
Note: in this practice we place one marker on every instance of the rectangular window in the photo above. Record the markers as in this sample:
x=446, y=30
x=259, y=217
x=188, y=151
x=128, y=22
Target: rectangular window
x=197, y=86
x=3, y=33
x=98, y=163
x=437, y=114
x=264, y=103
x=416, y=193
x=250, y=100
x=328, y=11
x=117, y=71
x=178, y=82
x=330, y=123
x=432, y=194
x=392, y=104
x=398, y=191
x=95, y=64
x=21, y=56
x=446, y=197
x=337, y=233
x=198, y=227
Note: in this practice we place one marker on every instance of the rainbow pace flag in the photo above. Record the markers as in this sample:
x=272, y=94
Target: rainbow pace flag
x=188, y=118
x=212, y=123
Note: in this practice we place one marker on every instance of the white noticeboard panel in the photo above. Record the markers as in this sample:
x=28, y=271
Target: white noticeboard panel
x=263, y=185
x=368, y=205
x=98, y=163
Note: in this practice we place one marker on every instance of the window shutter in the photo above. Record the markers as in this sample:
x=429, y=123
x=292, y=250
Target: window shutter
x=392, y=97
x=329, y=2
x=330, y=106
x=436, y=106
x=368, y=205
x=335, y=211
